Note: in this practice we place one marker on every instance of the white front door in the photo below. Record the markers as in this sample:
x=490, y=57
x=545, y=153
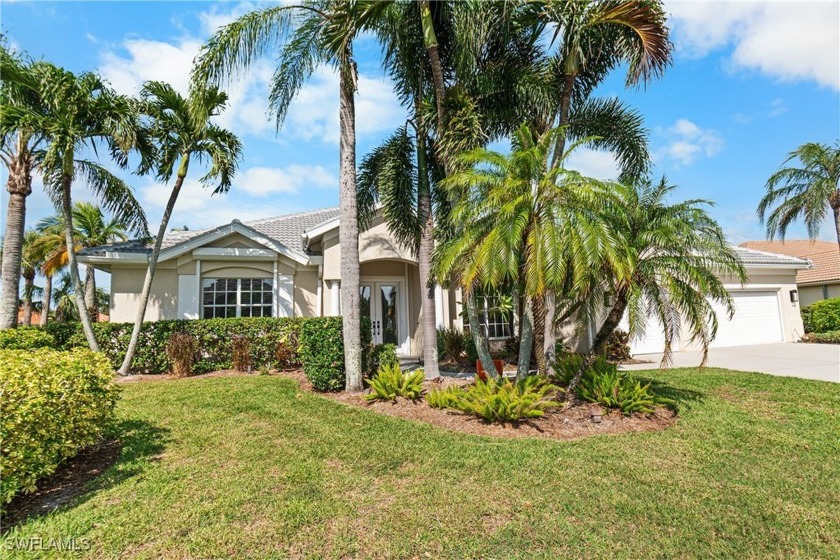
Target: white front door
x=383, y=303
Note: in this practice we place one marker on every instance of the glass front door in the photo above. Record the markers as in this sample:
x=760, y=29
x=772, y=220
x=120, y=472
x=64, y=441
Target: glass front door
x=380, y=301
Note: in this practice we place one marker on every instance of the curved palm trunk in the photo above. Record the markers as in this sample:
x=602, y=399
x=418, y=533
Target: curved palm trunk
x=348, y=231
x=125, y=368
x=610, y=323
x=67, y=211
x=28, y=287
x=482, y=347
x=424, y=261
x=46, y=301
x=19, y=186
x=90, y=291
x=546, y=323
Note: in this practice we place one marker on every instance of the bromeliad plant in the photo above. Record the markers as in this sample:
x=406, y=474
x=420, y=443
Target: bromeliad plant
x=390, y=382
x=500, y=400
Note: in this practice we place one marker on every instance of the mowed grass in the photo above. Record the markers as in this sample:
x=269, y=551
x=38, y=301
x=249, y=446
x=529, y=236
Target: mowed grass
x=251, y=467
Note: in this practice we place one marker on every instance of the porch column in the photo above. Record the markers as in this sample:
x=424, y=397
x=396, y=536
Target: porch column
x=440, y=319
x=335, y=299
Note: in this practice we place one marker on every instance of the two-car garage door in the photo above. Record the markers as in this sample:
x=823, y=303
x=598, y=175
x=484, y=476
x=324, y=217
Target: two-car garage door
x=757, y=320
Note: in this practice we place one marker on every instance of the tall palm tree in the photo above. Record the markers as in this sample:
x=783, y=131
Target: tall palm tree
x=308, y=35
x=805, y=192
x=31, y=263
x=91, y=228
x=66, y=310
x=18, y=152
x=527, y=223
x=183, y=131
x=676, y=254
x=80, y=113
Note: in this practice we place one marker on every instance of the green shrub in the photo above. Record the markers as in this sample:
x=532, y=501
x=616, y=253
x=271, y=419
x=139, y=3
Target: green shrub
x=53, y=404
x=806, y=318
x=823, y=316
x=445, y=397
x=604, y=384
x=287, y=354
x=241, y=353
x=322, y=351
x=25, y=338
x=832, y=337
x=500, y=401
x=181, y=350
x=390, y=382
x=383, y=355
x=617, y=348
x=451, y=344
x=214, y=338
x=470, y=350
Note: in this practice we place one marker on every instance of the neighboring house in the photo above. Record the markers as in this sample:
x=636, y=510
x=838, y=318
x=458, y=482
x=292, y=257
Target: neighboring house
x=822, y=281
x=290, y=266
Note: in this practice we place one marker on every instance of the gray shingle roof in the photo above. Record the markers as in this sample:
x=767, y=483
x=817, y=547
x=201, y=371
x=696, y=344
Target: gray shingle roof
x=754, y=256
x=286, y=230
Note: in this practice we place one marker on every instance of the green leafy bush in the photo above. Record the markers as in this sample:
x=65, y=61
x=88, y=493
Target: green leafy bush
x=214, y=338
x=181, y=350
x=383, y=355
x=445, y=397
x=53, y=405
x=604, y=384
x=806, y=318
x=390, y=382
x=241, y=350
x=25, y=338
x=832, y=337
x=823, y=316
x=287, y=354
x=322, y=351
x=499, y=401
x=451, y=344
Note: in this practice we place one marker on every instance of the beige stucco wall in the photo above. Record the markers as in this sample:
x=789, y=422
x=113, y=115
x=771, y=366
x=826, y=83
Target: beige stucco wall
x=126, y=285
x=375, y=244
x=812, y=294
x=306, y=293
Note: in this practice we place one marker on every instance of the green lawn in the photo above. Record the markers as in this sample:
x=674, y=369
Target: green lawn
x=250, y=467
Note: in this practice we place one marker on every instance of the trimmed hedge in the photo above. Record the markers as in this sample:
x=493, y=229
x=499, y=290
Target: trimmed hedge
x=822, y=316
x=214, y=340
x=25, y=338
x=322, y=351
x=52, y=405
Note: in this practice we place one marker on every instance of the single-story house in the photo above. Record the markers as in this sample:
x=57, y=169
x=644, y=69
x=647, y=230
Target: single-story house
x=822, y=280
x=290, y=266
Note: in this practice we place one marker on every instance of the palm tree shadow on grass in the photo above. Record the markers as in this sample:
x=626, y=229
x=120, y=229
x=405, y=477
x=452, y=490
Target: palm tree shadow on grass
x=123, y=454
x=684, y=398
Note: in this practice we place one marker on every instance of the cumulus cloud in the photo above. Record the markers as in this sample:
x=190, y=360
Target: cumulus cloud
x=594, y=163
x=685, y=142
x=264, y=181
x=785, y=40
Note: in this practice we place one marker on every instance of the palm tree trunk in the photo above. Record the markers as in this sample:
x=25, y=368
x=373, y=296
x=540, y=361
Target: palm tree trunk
x=90, y=290
x=539, y=312
x=836, y=209
x=19, y=188
x=526, y=341
x=549, y=338
x=28, y=286
x=125, y=368
x=424, y=260
x=431, y=43
x=348, y=231
x=67, y=210
x=46, y=301
x=482, y=347
x=612, y=321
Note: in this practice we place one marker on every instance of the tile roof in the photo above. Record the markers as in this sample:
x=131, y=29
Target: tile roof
x=824, y=256
x=286, y=230
x=756, y=257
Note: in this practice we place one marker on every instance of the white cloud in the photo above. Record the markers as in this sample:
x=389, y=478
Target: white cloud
x=773, y=109
x=785, y=40
x=264, y=181
x=593, y=163
x=685, y=142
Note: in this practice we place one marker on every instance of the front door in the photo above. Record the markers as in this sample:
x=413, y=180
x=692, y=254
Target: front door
x=381, y=302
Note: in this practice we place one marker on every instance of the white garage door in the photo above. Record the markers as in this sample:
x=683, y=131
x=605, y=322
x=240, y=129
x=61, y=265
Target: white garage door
x=756, y=320
x=652, y=342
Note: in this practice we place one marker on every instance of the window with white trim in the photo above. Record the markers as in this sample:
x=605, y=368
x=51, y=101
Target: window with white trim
x=237, y=297
x=495, y=322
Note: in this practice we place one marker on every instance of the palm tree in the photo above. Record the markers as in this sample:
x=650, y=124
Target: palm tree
x=184, y=132
x=804, y=192
x=66, y=310
x=30, y=264
x=18, y=151
x=311, y=34
x=90, y=229
x=80, y=113
x=527, y=223
x=676, y=254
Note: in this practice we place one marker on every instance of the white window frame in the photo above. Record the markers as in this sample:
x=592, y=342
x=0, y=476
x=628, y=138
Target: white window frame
x=238, y=303
x=506, y=326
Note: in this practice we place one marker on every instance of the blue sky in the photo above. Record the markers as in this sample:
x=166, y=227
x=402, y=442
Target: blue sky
x=750, y=82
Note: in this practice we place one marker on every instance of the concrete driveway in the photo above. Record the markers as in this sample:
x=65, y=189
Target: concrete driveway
x=809, y=361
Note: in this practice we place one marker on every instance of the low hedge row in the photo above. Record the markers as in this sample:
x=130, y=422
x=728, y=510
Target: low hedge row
x=52, y=404
x=832, y=337
x=213, y=336
x=25, y=338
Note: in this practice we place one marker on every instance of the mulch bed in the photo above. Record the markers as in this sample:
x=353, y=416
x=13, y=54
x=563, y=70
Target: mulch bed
x=67, y=483
x=567, y=423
